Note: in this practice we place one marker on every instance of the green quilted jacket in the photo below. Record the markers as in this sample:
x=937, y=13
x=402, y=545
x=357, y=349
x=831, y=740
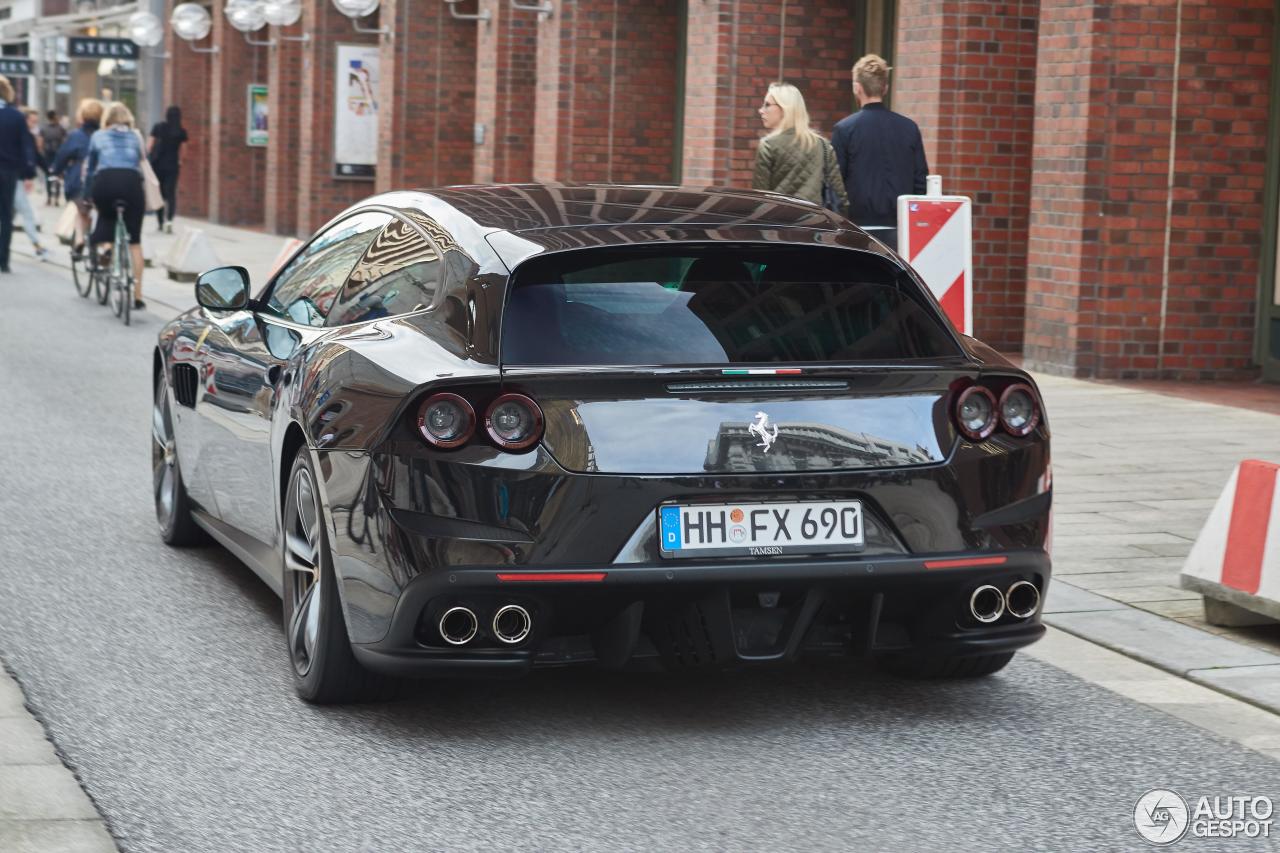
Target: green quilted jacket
x=782, y=166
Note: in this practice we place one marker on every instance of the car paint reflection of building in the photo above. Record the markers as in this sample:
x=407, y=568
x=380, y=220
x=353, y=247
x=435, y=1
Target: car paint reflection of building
x=803, y=446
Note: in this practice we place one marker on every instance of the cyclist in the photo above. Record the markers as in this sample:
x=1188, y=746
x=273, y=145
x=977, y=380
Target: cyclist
x=70, y=161
x=115, y=175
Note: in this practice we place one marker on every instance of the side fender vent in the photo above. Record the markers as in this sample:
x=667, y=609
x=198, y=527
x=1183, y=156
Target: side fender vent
x=185, y=381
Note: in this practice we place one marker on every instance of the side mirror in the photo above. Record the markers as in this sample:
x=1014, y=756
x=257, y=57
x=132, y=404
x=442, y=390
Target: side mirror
x=223, y=289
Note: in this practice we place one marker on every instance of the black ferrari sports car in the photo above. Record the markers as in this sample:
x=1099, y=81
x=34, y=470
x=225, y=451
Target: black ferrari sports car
x=476, y=430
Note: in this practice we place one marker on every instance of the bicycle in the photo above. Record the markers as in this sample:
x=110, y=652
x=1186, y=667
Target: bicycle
x=120, y=271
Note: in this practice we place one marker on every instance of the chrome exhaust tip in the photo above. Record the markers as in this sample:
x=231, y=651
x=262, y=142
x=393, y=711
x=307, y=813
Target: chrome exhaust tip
x=1022, y=599
x=512, y=624
x=986, y=604
x=458, y=626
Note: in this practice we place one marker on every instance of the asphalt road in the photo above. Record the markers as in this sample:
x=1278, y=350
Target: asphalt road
x=163, y=679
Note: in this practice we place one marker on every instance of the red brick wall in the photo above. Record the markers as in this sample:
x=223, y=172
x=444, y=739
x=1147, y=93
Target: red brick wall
x=966, y=74
x=748, y=45
x=237, y=172
x=321, y=196
x=1101, y=300
x=506, y=71
x=426, y=97
x=606, y=99
x=186, y=85
x=284, y=94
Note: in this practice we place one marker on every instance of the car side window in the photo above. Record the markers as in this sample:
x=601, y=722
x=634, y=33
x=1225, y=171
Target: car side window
x=305, y=291
x=399, y=273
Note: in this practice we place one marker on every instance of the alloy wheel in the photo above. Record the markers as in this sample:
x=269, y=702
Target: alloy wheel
x=302, y=558
x=164, y=475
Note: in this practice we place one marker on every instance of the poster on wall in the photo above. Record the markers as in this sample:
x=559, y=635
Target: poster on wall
x=355, y=112
x=256, y=133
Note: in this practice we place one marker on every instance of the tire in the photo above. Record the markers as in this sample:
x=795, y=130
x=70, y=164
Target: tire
x=80, y=273
x=944, y=666
x=173, y=508
x=325, y=670
x=118, y=300
x=101, y=281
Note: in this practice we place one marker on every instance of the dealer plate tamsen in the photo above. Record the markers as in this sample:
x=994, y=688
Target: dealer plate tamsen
x=760, y=529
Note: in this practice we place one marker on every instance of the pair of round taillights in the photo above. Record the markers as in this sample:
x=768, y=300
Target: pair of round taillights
x=513, y=421
x=978, y=412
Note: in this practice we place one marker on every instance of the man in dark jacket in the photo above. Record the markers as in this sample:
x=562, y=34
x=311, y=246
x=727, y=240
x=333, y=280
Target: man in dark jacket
x=17, y=162
x=881, y=154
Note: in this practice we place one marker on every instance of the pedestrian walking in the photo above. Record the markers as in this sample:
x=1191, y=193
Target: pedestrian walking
x=22, y=192
x=792, y=159
x=71, y=162
x=52, y=135
x=881, y=153
x=115, y=174
x=17, y=163
x=165, y=153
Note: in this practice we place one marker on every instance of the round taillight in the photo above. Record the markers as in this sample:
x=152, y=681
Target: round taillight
x=976, y=412
x=1019, y=413
x=446, y=420
x=514, y=422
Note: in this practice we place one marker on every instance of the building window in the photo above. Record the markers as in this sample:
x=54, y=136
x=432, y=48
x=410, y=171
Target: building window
x=876, y=23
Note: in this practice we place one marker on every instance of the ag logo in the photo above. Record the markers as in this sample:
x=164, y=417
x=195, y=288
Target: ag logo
x=1161, y=817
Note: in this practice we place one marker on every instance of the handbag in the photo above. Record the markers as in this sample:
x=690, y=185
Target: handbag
x=66, y=228
x=150, y=183
x=830, y=200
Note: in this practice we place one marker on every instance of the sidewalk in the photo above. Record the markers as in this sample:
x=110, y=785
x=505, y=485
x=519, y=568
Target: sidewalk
x=1136, y=470
x=42, y=807
x=253, y=250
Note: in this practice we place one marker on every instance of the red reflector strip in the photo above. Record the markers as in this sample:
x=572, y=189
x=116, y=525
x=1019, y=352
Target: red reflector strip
x=555, y=577
x=960, y=564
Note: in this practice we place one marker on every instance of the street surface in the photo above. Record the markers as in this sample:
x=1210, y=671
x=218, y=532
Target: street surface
x=162, y=678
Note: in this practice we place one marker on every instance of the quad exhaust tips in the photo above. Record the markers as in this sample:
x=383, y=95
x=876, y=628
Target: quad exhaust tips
x=986, y=604
x=458, y=626
x=511, y=624
x=1021, y=599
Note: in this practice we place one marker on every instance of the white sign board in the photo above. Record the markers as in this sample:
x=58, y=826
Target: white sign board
x=355, y=111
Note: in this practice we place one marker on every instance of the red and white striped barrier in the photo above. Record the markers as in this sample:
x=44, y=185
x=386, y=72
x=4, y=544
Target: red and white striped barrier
x=1236, y=557
x=935, y=235
x=287, y=249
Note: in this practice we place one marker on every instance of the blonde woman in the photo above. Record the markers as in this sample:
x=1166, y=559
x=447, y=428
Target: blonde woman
x=792, y=159
x=21, y=198
x=115, y=174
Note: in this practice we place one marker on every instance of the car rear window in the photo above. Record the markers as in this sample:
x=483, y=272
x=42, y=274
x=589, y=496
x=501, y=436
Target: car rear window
x=716, y=305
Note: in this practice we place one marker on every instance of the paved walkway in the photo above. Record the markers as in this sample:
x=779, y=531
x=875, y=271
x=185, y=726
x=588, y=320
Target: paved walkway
x=42, y=807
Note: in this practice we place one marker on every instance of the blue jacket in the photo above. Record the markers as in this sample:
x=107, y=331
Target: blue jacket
x=17, y=145
x=881, y=157
x=117, y=147
x=71, y=153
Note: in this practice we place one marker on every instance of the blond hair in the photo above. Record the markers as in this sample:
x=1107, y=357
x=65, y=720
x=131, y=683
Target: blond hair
x=872, y=73
x=90, y=109
x=118, y=113
x=795, y=115
x=6, y=90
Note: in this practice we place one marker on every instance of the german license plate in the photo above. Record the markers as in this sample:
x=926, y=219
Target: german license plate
x=760, y=529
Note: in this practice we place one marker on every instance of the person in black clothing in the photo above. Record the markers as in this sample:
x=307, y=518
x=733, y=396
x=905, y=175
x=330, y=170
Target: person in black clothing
x=165, y=155
x=880, y=152
x=17, y=162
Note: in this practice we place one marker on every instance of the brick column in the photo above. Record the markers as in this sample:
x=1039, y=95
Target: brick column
x=186, y=85
x=606, y=100
x=1145, y=230
x=284, y=95
x=426, y=97
x=320, y=195
x=505, y=72
x=966, y=74
x=237, y=172
x=735, y=50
